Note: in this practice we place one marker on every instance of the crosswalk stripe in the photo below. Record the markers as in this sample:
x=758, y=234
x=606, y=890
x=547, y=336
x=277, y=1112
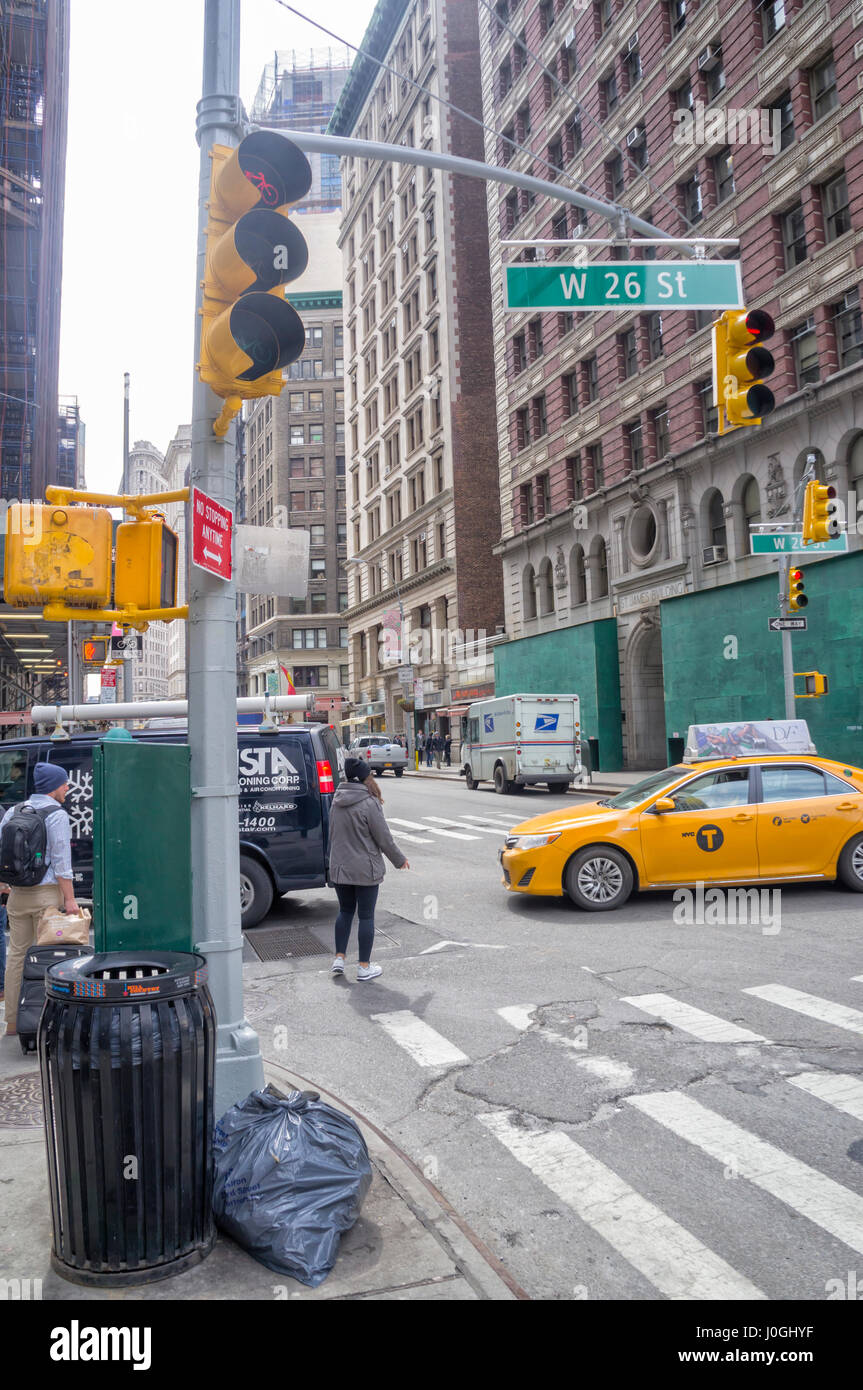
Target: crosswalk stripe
x=667, y=1254
x=430, y=829
x=858, y=979
x=811, y=1005
x=843, y=1092
x=809, y=1193
x=518, y=1015
x=457, y=825
x=427, y=1047
x=690, y=1020
x=489, y=820
x=414, y=839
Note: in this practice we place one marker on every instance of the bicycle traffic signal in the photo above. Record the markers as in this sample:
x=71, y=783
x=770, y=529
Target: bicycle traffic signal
x=820, y=522
x=249, y=332
x=58, y=554
x=796, y=596
x=145, y=568
x=740, y=365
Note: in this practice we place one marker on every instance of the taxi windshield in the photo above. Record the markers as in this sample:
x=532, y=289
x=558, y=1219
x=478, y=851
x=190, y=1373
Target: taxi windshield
x=648, y=786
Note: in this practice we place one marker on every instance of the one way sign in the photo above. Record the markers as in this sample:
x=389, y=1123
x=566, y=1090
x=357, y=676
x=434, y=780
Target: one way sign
x=212, y=532
x=786, y=624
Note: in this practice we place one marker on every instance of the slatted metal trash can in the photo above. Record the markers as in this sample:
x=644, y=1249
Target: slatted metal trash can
x=127, y=1053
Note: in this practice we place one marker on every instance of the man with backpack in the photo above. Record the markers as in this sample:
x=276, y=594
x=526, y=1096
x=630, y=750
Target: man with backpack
x=36, y=864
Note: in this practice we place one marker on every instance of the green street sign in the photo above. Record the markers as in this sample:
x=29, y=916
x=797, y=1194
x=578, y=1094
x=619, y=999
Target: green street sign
x=791, y=543
x=625, y=285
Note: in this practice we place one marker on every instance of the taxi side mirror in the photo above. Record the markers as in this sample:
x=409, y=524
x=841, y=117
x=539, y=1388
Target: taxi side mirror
x=664, y=804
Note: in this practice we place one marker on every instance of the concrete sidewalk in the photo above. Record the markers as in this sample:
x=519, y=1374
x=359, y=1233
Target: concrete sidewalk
x=407, y=1245
x=603, y=783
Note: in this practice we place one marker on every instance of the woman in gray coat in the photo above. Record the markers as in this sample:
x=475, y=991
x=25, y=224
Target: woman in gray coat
x=358, y=835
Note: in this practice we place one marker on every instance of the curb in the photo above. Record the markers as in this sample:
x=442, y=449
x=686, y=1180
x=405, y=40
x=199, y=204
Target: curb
x=471, y=1257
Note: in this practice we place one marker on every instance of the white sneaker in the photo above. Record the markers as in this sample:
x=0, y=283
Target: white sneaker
x=369, y=972
x=338, y=966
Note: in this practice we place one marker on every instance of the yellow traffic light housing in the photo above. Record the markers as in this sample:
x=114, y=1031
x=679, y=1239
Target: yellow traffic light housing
x=820, y=522
x=740, y=365
x=796, y=596
x=249, y=332
x=145, y=568
x=58, y=554
x=814, y=685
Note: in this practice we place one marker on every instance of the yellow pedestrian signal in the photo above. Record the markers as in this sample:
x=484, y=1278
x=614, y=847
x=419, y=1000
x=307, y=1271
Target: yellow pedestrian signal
x=820, y=522
x=740, y=365
x=145, y=568
x=58, y=553
x=249, y=332
x=814, y=685
x=796, y=597
x=94, y=650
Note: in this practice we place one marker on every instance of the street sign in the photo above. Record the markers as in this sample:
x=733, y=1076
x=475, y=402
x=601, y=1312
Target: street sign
x=130, y=647
x=625, y=285
x=212, y=528
x=108, y=692
x=786, y=624
x=791, y=543
x=272, y=560
x=406, y=676
x=419, y=695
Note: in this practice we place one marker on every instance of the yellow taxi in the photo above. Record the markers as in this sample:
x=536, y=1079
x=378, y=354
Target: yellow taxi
x=739, y=820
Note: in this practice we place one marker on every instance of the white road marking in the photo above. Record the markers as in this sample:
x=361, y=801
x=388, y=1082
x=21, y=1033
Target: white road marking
x=843, y=1092
x=806, y=1191
x=607, y=1069
x=518, y=1015
x=429, y=829
x=665, y=1253
x=690, y=1020
x=477, y=945
x=415, y=839
x=858, y=979
x=490, y=820
x=811, y=1005
x=456, y=825
x=427, y=1047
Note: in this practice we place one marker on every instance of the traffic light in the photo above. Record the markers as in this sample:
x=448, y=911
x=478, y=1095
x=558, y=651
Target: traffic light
x=58, y=553
x=145, y=568
x=94, y=650
x=815, y=684
x=820, y=522
x=796, y=597
x=249, y=332
x=740, y=365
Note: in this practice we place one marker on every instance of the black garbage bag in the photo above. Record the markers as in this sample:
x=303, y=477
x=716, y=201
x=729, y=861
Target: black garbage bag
x=291, y=1174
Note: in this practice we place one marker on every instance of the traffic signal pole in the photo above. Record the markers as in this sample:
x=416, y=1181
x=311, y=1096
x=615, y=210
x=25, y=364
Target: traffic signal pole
x=787, y=656
x=212, y=668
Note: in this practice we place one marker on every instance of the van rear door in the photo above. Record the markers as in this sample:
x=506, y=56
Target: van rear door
x=280, y=805
x=548, y=736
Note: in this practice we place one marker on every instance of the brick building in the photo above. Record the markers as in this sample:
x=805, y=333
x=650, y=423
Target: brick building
x=423, y=512
x=619, y=501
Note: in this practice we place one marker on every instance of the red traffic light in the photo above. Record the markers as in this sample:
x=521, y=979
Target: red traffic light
x=796, y=575
x=759, y=324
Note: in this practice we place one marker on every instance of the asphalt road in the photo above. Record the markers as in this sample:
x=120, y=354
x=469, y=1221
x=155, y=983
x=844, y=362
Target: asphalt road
x=623, y=1106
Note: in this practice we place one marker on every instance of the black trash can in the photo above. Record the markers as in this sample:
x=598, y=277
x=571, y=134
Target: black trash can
x=127, y=1046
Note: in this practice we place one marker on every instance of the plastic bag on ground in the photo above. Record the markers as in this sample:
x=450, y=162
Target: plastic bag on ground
x=291, y=1174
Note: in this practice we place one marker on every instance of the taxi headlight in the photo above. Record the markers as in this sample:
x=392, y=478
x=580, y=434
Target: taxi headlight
x=531, y=841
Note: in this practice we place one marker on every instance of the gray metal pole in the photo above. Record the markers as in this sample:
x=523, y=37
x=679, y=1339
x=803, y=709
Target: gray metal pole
x=212, y=673
x=123, y=681
x=787, y=653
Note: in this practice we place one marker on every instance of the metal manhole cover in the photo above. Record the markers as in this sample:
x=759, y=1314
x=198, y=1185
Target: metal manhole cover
x=21, y=1102
x=278, y=944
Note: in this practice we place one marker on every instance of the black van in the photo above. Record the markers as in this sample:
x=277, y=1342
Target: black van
x=287, y=781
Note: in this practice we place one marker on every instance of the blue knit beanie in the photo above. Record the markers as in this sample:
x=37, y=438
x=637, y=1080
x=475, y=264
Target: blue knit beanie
x=47, y=777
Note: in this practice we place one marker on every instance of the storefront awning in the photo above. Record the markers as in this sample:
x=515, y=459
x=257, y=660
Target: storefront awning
x=455, y=711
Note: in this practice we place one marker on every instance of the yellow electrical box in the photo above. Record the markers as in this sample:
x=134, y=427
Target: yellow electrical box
x=57, y=554
x=145, y=568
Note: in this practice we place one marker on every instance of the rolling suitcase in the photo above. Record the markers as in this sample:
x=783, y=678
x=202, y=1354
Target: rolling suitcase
x=32, y=997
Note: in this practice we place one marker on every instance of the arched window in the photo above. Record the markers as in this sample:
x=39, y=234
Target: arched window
x=598, y=568
x=545, y=588
x=577, y=578
x=751, y=500
x=715, y=532
x=855, y=468
x=528, y=592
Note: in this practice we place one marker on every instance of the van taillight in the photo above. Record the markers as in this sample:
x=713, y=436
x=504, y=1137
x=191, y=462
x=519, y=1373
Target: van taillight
x=369, y=754
x=325, y=777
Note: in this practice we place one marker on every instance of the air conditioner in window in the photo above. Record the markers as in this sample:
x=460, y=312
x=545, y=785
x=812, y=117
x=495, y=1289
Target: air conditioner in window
x=579, y=230
x=632, y=42
x=636, y=136
x=713, y=554
x=709, y=57
x=540, y=253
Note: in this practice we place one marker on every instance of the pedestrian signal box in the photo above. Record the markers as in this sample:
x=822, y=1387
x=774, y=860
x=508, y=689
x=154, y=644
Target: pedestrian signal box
x=58, y=554
x=814, y=685
x=94, y=650
x=145, y=569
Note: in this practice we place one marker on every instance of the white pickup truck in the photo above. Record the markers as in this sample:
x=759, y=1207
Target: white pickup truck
x=380, y=752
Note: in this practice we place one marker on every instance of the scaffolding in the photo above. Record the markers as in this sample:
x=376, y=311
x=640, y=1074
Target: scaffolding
x=301, y=90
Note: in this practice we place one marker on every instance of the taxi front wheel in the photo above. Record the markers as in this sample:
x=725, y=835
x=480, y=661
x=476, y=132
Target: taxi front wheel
x=849, y=870
x=599, y=879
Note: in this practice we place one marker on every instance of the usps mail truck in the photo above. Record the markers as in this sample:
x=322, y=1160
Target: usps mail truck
x=519, y=741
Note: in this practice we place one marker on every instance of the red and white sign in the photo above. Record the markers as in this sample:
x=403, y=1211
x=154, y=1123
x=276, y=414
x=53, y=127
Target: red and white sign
x=108, y=692
x=212, y=531
x=329, y=703
x=14, y=717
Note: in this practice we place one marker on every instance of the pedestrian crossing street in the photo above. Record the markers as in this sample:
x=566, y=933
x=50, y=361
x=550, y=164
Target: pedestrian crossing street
x=605, y=1195
x=466, y=827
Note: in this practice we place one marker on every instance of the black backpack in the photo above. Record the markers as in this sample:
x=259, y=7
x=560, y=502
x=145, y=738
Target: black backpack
x=23, y=845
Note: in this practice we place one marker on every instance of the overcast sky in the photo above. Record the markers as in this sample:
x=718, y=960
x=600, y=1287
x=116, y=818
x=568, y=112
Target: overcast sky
x=131, y=216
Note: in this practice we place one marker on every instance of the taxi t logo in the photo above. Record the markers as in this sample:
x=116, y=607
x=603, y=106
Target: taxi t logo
x=709, y=837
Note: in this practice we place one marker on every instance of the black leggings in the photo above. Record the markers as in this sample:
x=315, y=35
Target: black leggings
x=359, y=898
